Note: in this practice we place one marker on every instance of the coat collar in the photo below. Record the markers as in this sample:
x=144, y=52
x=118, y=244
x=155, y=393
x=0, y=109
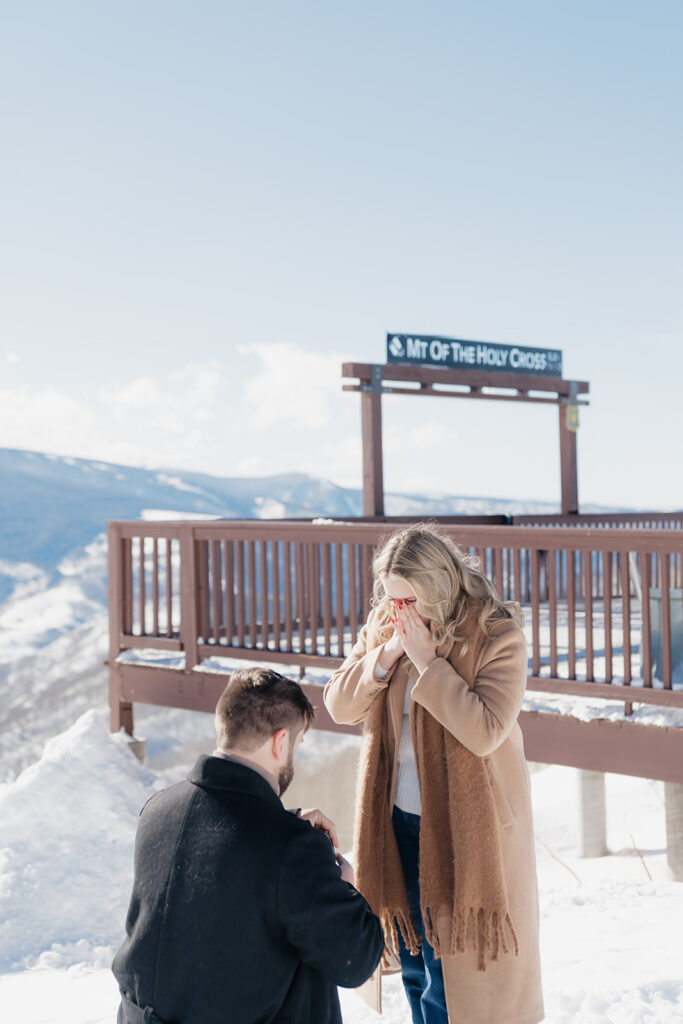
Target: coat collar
x=268, y=776
x=219, y=773
x=445, y=647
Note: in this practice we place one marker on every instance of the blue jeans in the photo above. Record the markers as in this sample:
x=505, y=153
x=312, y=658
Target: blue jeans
x=422, y=974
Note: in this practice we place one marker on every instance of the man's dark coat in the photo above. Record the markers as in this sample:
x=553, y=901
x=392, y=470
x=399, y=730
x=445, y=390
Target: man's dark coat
x=238, y=913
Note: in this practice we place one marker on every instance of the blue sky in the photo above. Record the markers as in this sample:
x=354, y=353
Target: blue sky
x=208, y=206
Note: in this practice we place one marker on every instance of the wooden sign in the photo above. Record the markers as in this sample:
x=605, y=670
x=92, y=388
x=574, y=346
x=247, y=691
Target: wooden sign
x=456, y=354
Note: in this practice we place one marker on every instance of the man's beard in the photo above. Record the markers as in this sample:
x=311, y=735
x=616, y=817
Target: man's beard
x=286, y=773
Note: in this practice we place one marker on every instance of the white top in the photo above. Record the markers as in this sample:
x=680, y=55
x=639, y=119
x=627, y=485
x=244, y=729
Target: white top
x=407, y=795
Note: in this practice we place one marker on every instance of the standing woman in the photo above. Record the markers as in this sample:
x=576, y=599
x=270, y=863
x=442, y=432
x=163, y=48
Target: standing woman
x=444, y=837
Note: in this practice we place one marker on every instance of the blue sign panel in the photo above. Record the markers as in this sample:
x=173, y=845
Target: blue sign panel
x=456, y=354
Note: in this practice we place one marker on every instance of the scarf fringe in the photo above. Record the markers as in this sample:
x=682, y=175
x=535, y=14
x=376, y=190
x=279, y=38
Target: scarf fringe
x=392, y=923
x=484, y=929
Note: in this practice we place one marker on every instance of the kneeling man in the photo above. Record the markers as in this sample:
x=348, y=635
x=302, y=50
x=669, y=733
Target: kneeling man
x=240, y=909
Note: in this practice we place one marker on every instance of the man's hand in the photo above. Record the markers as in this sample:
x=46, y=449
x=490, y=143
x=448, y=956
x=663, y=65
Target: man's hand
x=320, y=821
x=347, y=871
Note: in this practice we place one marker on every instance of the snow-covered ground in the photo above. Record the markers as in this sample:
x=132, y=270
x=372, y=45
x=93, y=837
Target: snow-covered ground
x=610, y=926
x=611, y=937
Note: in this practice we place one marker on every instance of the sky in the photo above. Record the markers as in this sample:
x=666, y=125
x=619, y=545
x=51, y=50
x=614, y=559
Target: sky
x=208, y=207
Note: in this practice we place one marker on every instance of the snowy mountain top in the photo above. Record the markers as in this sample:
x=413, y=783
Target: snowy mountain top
x=53, y=504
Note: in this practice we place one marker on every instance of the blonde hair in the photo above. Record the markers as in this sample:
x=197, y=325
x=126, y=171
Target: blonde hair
x=447, y=582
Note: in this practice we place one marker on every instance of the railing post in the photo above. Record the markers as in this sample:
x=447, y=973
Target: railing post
x=120, y=711
x=189, y=620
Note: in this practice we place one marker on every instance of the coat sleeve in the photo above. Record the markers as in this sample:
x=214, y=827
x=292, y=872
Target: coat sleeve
x=482, y=717
x=352, y=688
x=327, y=921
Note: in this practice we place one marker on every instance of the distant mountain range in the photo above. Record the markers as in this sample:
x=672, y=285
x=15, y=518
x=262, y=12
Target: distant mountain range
x=53, y=618
x=51, y=505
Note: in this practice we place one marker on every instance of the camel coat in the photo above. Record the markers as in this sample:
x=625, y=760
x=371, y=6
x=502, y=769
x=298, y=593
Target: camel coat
x=483, y=719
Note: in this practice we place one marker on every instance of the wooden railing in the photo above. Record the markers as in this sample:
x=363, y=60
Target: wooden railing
x=605, y=521
x=603, y=605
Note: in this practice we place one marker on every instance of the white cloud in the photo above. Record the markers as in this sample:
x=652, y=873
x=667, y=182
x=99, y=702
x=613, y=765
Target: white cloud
x=165, y=421
x=145, y=421
x=290, y=415
x=424, y=438
x=342, y=459
x=170, y=402
x=252, y=465
x=43, y=420
x=294, y=386
x=12, y=357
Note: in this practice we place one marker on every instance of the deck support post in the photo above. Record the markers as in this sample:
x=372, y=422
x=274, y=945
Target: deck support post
x=673, y=801
x=120, y=713
x=593, y=814
x=119, y=601
x=139, y=748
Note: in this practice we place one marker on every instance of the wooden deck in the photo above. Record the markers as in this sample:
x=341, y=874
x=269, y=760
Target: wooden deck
x=602, y=599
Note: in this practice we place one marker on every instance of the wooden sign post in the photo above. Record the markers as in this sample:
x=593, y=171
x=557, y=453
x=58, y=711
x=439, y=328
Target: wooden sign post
x=453, y=368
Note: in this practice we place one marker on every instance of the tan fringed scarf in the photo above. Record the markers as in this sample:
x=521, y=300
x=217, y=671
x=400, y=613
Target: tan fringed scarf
x=460, y=851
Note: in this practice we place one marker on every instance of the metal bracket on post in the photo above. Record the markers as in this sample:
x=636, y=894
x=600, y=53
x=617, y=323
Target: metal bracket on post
x=571, y=402
x=573, y=393
x=374, y=385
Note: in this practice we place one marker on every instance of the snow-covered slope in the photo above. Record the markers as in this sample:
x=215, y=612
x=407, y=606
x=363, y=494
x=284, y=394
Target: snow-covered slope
x=53, y=643
x=67, y=823
x=610, y=935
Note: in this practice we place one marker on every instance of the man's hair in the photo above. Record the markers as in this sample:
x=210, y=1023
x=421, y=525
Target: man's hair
x=255, y=704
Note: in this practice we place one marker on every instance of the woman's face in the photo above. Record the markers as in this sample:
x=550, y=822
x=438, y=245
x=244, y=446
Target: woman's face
x=398, y=589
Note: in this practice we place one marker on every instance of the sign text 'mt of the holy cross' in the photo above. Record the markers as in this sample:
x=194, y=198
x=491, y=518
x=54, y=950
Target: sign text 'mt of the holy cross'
x=456, y=354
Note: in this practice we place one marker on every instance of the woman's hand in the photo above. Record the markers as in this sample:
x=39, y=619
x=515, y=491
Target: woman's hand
x=347, y=871
x=393, y=649
x=415, y=637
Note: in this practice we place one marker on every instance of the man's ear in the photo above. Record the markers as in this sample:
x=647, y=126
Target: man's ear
x=278, y=743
